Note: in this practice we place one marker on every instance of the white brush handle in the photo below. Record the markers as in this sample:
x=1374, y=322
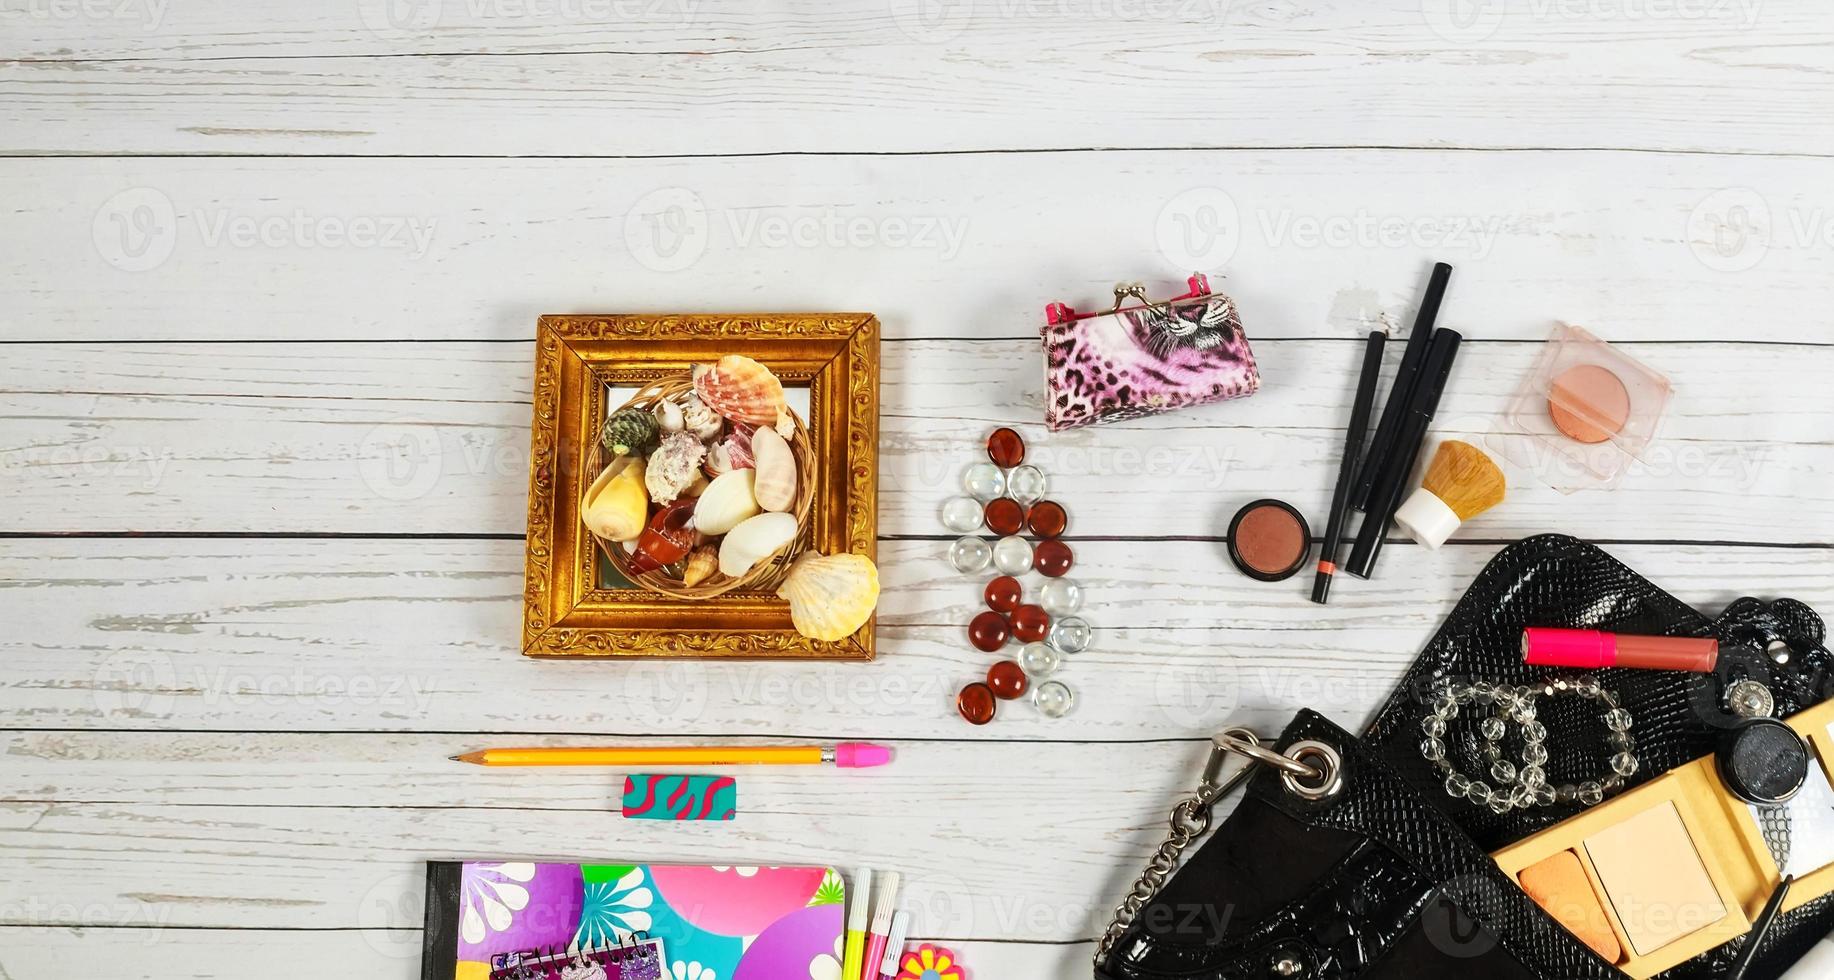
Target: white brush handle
x=1426, y=518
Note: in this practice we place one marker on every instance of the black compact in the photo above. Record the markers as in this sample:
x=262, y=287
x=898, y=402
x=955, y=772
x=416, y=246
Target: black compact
x=1763, y=761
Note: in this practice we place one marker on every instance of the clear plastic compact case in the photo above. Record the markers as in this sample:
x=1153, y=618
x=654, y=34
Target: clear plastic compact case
x=1584, y=414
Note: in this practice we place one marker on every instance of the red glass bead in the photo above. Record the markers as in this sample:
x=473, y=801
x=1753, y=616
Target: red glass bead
x=988, y=631
x=1006, y=680
x=1005, y=448
x=667, y=538
x=1048, y=519
x=1003, y=594
x=976, y=703
x=1052, y=558
x=1004, y=516
x=1030, y=623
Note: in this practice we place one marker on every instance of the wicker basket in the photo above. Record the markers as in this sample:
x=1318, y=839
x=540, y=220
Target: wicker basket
x=767, y=572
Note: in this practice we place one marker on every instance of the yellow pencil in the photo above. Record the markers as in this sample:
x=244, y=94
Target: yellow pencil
x=846, y=755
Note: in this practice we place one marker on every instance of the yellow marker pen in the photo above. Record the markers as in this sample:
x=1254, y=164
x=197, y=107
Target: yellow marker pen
x=852, y=959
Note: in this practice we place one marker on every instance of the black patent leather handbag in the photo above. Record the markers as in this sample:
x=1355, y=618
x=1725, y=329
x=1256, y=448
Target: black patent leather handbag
x=1345, y=856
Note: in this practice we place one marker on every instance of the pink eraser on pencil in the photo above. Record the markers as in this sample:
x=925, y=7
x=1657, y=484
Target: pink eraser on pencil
x=861, y=755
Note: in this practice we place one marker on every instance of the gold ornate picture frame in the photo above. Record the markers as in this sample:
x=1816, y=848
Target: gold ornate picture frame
x=568, y=610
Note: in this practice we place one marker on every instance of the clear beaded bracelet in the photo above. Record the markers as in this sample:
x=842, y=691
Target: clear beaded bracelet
x=1525, y=785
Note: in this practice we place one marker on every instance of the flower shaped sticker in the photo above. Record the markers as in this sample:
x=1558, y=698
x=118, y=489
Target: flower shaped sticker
x=929, y=962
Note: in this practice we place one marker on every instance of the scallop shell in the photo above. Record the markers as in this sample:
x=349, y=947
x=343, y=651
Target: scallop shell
x=754, y=540
x=615, y=506
x=831, y=596
x=725, y=503
x=775, y=483
x=740, y=389
x=673, y=467
x=701, y=563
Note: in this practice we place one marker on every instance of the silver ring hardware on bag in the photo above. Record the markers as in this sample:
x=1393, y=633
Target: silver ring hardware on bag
x=1310, y=770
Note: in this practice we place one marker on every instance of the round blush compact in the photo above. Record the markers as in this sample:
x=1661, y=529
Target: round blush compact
x=1269, y=540
x=1589, y=403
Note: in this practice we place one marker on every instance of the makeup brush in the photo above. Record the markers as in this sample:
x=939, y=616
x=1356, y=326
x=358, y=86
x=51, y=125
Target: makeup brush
x=1460, y=484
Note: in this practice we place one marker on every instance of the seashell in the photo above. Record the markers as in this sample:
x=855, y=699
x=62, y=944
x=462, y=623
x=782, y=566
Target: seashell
x=831, y=596
x=669, y=417
x=701, y=563
x=704, y=422
x=740, y=389
x=732, y=453
x=698, y=487
x=775, y=465
x=630, y=432
x=673, y=467
x=754, y=540
x=668, y=537
x=725, y=503
x=615, y=506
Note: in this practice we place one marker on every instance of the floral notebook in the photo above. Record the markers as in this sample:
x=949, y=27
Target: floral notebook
x=730, y=923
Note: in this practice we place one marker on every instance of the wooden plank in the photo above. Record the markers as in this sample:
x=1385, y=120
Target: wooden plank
x=527, y=78
x=433, y=439
x=50, y=953
x=1043, y=869
x=406, y=636
x=1637, y=246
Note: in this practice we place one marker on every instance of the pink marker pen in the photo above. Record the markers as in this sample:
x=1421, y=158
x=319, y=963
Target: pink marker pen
x=884, y=903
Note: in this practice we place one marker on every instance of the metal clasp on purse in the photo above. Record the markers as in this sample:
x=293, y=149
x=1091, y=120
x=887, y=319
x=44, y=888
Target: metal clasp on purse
x=1310, y=770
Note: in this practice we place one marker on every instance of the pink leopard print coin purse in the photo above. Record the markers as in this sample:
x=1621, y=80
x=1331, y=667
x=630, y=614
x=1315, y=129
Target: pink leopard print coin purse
x=1144, y=359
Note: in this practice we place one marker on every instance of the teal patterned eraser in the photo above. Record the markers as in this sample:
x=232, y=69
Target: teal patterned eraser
x=665, y=797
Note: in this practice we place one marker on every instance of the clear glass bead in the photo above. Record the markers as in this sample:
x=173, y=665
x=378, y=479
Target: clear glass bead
x=1618, y=720
x=1484, y=692
x=1591, y=793
x=1499, y=804
x=1433, y=725
x=984, y=481
x=1620, y=741
x=1040, y=660
x=1534, y=732
x=1533, y=776
x=1534, y=754
x=1060, y=596
x=1544, y=795
x=1445, y=707
x=1025, y=484
x=1586, y=687
x=1012, y=555
x=1456, y=785
x=1612, y=783
x=1053, y=699
x=1433, y=750
x=1071, y=634
x=1478, y=792
x=1525, y=711
x=970, y=554
x=1522, y=796
x=961, y=514
x=1624, y=764
x=1503, y=771
x=1492, y=729
x=1566, y=793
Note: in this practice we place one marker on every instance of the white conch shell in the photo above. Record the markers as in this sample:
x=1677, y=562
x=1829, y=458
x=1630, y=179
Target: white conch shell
x=669, y=417
x=725, y=503
x=754, y=540
x=616, y=506
x=775, y=466
x=831, y=596
x=704, y=422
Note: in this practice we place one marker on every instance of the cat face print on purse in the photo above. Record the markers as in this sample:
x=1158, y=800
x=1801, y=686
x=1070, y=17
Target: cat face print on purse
x=1145, y=358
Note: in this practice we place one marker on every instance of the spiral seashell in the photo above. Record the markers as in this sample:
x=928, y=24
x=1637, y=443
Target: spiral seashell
x=616, y=506
x=702, y=562
x=704, y=422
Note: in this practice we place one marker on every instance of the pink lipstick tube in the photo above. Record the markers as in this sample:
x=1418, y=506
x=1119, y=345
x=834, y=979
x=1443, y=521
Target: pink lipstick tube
x=1591, y=649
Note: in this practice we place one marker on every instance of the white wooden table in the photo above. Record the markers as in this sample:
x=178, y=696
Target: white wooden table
x=269, y=270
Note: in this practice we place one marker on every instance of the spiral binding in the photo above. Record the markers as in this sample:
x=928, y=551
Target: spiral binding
x=564, y=963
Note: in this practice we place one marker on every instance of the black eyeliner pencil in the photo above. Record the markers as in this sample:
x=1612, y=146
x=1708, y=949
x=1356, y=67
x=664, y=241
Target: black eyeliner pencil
x=1346, y=470
x=1407, y=378
x=1392, y=482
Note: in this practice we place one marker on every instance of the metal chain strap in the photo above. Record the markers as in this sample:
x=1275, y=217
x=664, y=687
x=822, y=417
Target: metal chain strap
x=1191, y=815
